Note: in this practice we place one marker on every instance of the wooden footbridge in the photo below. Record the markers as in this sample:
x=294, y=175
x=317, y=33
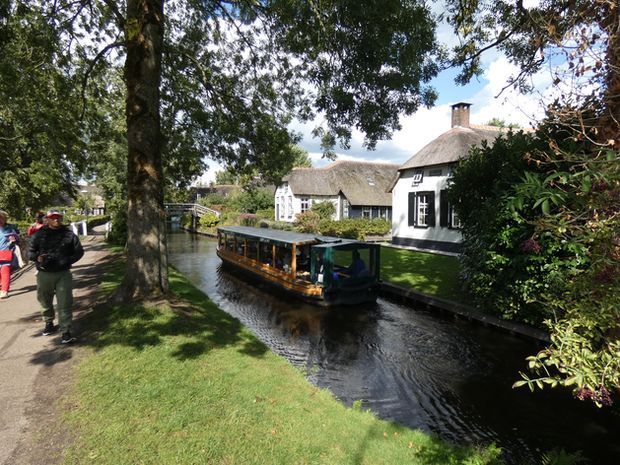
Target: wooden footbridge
x=196, y=210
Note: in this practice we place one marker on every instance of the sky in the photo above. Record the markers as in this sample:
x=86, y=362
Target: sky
x=485, y=94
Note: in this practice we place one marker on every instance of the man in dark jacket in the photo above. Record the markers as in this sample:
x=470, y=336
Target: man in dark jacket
x=54, y=248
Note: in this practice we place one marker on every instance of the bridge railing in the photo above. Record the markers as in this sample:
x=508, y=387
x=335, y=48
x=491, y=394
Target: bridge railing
x=194, y=208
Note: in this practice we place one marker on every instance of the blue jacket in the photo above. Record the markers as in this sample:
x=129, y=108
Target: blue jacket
x=5, y=233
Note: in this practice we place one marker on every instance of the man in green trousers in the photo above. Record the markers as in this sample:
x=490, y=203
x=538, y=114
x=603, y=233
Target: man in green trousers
x=54, y=248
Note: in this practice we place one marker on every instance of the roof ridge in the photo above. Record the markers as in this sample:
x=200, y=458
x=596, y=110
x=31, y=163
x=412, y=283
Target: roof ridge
x=490, y=127
x=357, y=162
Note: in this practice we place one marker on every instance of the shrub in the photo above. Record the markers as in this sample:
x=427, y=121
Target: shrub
x=541, y=216
x=213, y=200
x=118, y=234
x=251, y=200
x=209, y=220
x=229, y=218
x=354, y=228
x=307, y=222
x=281, y=225
x=267, y=213
x=324, y=209
x=97, y=221
x=248, y=219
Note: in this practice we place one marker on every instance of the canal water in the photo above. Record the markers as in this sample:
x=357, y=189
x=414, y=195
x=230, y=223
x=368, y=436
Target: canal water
x=410, y=365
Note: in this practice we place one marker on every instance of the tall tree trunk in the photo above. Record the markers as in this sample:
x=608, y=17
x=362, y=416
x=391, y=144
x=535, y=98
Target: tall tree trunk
x=147, y=262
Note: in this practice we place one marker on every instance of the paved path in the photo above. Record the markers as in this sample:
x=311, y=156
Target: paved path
x=25, y=353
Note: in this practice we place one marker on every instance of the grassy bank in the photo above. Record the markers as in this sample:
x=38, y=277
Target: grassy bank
x=180, y=383
x=421, y=271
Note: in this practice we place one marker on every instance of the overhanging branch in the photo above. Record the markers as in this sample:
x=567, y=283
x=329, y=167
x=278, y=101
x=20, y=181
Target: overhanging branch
x=90, y=68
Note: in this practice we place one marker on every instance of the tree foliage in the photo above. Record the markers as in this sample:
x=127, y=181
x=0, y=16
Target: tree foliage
x=41, y=143
x=205, y=80
x=251, y=200
x=583, y=34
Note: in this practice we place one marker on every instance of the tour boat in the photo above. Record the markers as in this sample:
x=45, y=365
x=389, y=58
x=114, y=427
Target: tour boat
x=320, y=269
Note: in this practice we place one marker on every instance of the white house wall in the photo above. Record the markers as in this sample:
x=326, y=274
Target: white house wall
x=400, y=207
x=289, y=215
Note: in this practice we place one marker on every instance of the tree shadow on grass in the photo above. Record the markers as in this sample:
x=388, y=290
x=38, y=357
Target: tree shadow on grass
x=187, y=318
x=196, y=325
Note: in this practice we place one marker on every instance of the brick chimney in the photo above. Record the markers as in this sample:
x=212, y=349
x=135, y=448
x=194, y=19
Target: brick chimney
x=460, y=114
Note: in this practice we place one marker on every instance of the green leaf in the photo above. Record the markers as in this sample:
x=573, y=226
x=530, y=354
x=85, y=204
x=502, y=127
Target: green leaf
x=586, y=184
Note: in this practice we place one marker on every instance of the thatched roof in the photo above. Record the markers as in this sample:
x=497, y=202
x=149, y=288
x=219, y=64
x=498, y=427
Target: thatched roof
x=452, y=146
x=362, y=183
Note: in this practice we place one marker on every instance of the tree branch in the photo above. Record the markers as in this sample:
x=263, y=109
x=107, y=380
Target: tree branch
x=90, y=68
x=120, y=19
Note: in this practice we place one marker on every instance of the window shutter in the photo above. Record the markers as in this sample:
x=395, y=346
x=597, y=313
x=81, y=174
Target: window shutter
x=443, y=208
x=411, y=218
x=431, y=208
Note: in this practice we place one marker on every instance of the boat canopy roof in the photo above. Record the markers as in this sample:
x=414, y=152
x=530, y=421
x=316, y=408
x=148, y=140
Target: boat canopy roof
x=288, y=237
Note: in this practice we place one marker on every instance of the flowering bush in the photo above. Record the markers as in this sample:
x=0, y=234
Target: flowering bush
x=541, y=227
x=307, y=222
x=248, y=219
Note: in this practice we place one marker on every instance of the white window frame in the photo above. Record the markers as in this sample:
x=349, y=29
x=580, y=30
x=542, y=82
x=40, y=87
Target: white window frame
x=305, y=204
x=289, y=211
x=453, y=219
x=345, y=208
x=422, y=213
x=282, y=208
x=367, y=212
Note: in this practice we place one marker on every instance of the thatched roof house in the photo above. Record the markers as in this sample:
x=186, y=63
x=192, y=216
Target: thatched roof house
x=356, y=188
x=362, y=183
x=424, y=216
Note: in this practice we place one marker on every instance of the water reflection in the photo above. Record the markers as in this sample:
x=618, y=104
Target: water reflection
x=409, y=365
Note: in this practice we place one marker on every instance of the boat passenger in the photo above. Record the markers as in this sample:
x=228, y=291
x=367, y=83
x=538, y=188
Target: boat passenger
x=357, y=267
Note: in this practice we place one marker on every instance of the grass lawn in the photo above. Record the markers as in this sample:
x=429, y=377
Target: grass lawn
x=184, y=383
x=425, y=272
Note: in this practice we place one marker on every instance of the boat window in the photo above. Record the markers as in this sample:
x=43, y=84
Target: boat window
x=320, y=268
x=266, y=254
x=252, y=249
x=283, y=259
x=354, y=264
x=230, y=243
x=240, y=246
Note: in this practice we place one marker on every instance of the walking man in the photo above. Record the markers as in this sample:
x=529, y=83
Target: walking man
x=54, y=248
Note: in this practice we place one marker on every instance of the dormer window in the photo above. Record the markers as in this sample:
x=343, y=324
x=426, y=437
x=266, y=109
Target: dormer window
x=370, y=181
x=417, y=177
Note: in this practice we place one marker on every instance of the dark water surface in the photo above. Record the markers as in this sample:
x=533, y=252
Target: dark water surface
x=413, y=366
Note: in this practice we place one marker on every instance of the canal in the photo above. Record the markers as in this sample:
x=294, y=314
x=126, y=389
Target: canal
x=410, y=365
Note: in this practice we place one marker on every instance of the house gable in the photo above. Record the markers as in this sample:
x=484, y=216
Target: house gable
x=421, y=212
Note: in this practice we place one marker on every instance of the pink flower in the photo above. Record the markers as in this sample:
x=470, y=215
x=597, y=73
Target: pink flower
x=531, y=246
